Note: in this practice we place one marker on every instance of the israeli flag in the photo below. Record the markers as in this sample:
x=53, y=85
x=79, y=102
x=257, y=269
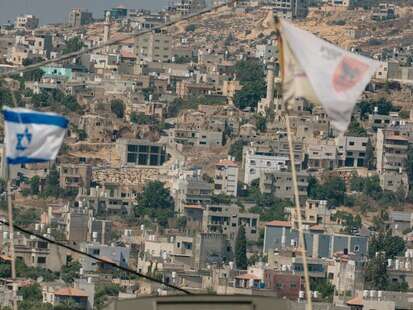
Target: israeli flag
x=32, y=137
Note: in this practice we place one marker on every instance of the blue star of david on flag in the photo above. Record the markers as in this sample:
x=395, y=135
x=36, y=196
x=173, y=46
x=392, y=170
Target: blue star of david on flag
x=32, y=137
x=21, y=146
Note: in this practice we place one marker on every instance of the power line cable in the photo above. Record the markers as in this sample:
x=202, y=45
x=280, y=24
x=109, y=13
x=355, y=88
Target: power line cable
x=28, y=232
x=114, y=41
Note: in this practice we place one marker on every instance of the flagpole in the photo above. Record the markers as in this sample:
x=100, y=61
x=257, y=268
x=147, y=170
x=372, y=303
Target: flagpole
x=293, y=171
x=11, y=237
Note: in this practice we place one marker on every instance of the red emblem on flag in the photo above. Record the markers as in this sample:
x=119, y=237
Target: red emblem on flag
x=348, y=73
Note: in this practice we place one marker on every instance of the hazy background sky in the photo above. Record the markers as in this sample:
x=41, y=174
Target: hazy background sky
x=54, y=11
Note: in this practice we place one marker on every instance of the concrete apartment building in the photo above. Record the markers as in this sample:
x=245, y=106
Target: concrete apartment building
x=257, y=161
x=76, y=222
x=321, y=156
x=391, y=150
x=75, y=176
x=384, y=11
x=351, y=151
x=135, y=152
x=289, y=9
x=99, y=231
x=211, y=248
x=281, y=235
x=227, y=219
x=27, y=22
x=394, y=181
x=109, y=198
x=116, y=254
x=78, y=17
x=314, y=212
x=38, y=43
x=191, y=190
x=97, y=128
x=186, y=7
x=267, y=52
x=341, y=3
x=226, y=178
x=279, y=183
x=346, y=273
x=18, y=54
x=197, y=129
x=154, y=46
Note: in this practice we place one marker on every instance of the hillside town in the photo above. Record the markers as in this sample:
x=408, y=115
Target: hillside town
x=176, y=161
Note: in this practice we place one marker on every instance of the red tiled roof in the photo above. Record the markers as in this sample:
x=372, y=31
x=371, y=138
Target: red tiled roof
x=227, y=162
x=248, y=276
x=317, y=228
x=194, y=207
x=356, y=301
x=5, y=258
x=70, y=291
x=279, y=224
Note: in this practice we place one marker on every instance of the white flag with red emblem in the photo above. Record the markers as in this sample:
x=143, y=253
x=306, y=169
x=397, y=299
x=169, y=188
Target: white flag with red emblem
x=323, y=73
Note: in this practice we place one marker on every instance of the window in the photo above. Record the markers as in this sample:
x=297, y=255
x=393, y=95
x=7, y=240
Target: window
x=279, y=285
x=41, y=260
x=351, y=143
x=293, y=285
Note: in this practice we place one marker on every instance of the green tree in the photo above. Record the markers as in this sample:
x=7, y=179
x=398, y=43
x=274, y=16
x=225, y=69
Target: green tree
x=250, y=73
x=241, y=260
x=190, y=28
x=376, y=276
x=71, y=103
x=269, y=207
x=117, y=107
x=261, y=122
x=409, y=163
x=235, y=150
x=6, y=97
x=35, y=74
x=333, y=189
x=384, y=107
x=391, y=246
x=3, y=185
x=355, y=129
x=250, y=94
x=70, y=271
x=103, y=291
x=52, y=188
x=26, y=216
x=155, y=201
x=140, y=118
x=34, y=185
x=369, y=161
x=32, y=292
x=325, y=288
x=181, y=222
x=174, y=107
x=73, y=45
x=349, y=221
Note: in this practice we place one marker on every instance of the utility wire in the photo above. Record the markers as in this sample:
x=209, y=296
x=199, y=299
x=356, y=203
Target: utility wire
x=75, y=55
x=114, y=41
x=28, y=232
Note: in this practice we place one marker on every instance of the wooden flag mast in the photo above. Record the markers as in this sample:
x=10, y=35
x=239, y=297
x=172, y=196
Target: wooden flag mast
x=293, y=170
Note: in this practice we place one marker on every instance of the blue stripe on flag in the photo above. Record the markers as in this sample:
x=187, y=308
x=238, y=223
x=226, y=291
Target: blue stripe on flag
x=25, y=160
x=35, y=118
